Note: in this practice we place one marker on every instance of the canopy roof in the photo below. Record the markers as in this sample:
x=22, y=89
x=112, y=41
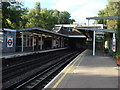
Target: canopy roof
x=108, y=17
x=39, y=30
x=99, y=30
x=88, y=32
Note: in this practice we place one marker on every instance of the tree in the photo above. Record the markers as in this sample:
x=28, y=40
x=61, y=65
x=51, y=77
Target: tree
x=55, y=14
x=12, y=15
x=118, y=38
x=118, y=29
x=110, y=10
x=113, y=9
x=37, y=7
x=102, y=13
x=5, y=14
x=64, y=18
x=15, y=16
x=44, y=18
x=51, y=17
x=47, y=20
x=34, y=16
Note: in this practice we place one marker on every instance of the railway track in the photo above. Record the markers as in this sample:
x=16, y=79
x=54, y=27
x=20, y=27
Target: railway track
x=40, y=80
x=14, y=61
x=10, y=71
x=48, y=70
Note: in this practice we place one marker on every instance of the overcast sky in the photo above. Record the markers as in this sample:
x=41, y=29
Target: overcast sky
x=79, y=9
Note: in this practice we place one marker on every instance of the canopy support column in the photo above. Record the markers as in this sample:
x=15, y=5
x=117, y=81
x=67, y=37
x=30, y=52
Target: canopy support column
x=88, y=22
x=33, y=43
x=22, y=43
x=52, y=44
x=41, y=42
x=93, y=43
x=114, y=43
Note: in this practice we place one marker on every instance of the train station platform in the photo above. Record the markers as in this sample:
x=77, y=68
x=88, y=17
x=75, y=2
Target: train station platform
x=87, y=72
x=19, y=54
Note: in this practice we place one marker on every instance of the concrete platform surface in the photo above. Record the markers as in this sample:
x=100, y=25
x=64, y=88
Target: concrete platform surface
x=19, y=54
x=87, y=71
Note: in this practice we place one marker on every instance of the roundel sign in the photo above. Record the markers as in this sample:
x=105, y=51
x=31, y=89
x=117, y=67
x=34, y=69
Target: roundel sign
x=9, y=42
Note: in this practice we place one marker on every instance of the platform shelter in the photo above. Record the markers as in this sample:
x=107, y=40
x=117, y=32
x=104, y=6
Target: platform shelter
x=31, y=39
x=94, y=34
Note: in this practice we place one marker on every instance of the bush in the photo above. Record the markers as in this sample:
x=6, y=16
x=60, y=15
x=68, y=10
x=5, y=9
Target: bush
x=118, y=56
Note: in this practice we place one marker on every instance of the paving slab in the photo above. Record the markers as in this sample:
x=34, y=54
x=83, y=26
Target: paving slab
x=87, y=71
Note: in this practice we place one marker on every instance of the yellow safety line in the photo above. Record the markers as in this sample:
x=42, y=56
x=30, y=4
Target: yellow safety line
x=53, y=88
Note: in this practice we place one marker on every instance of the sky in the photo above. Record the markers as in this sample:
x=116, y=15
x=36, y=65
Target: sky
x=79, y=9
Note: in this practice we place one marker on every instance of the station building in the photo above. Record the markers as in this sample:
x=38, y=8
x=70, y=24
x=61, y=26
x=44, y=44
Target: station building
x=31, y=39
x=96, y=37
x=62, y=36
x=76, y=38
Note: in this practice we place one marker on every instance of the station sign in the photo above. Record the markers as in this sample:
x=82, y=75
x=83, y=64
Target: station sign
x=9, y=41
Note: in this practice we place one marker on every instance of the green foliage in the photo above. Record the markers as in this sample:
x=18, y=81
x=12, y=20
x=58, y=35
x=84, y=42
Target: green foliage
x=44, y=18
x=112, y=9
x=33, y=19
x=101, y=13
x=37, y=7
x=15, y=16
x=5, y=13
x=12, y=13
x=118, y=56
x=64, y=17
x=118, y=37
x=47, y=20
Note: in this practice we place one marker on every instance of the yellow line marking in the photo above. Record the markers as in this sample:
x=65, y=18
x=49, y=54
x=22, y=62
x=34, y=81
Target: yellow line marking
x=53, y=88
